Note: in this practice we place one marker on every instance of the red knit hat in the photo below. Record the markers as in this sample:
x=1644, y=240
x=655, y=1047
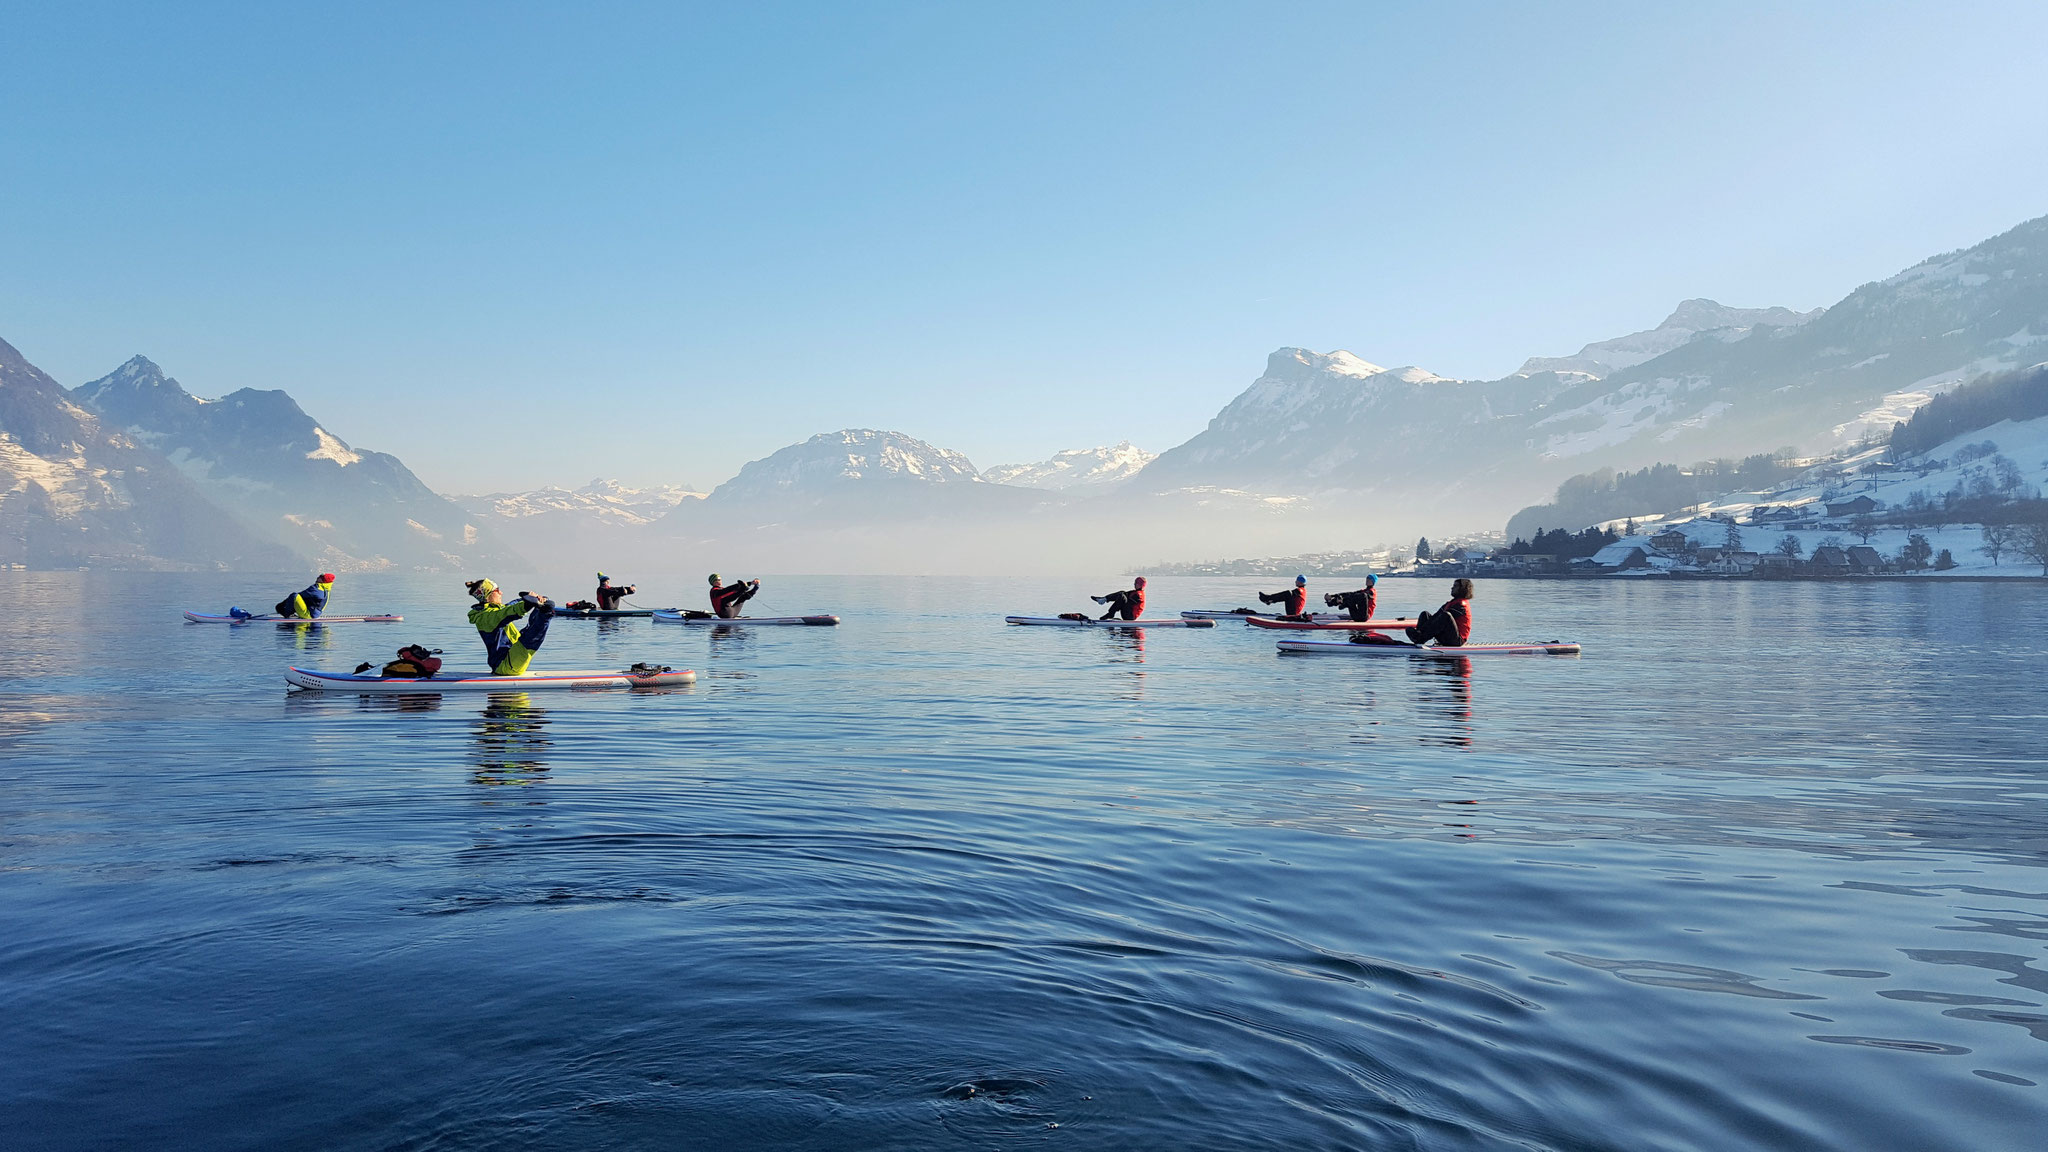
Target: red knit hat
x=327, y=577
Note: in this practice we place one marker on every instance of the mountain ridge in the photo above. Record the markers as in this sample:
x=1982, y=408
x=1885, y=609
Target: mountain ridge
x=257, y=453
x=74, y=493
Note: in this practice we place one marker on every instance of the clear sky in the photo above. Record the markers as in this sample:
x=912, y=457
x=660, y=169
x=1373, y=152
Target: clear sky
x=521, y=244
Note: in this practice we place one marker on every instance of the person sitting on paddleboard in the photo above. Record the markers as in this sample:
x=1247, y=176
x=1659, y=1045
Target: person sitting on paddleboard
x=1360, y=603
x=1296, y=598
x=1128, y=604
x=727, y=599
x=508, y=647
x=1451, y=625
x=609, y=594
x=308, y=605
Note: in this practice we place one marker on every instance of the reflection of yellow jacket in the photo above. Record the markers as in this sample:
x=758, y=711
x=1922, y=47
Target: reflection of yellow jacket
x=496, y=624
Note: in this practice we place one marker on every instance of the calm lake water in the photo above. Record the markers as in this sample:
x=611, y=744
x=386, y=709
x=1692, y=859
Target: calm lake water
x=1763, y=869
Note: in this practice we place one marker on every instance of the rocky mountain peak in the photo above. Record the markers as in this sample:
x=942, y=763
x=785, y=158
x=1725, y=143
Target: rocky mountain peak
x=1687, y=321
x=137, y=393
x=1703, y=315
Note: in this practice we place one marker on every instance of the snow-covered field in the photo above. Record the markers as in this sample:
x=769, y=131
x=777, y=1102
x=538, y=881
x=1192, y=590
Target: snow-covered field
x=2008, y=457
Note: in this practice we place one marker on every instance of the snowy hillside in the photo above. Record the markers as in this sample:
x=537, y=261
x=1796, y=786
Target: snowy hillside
x=2007, y=461
x=1074, y=468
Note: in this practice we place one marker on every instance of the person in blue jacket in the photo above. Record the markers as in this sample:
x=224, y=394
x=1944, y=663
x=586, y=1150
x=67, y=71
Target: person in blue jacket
x=308, y=605
x=508, y=647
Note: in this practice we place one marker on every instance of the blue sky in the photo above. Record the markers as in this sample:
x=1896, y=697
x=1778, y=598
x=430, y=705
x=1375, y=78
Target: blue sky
x=526, y=244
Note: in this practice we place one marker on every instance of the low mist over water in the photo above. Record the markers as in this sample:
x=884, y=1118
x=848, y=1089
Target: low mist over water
x=1760, y=869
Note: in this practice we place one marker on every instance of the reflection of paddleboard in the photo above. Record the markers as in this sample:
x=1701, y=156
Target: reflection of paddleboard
x=481, y=682
x=1056, y=622
x=1237, y=614
x=273, y=618
x=676, y=616
x=601, y=613
x=1347, y=648
x=1338, y=625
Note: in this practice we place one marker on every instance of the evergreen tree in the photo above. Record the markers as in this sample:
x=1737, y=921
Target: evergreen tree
x=1917, y=552
x=1422, y=551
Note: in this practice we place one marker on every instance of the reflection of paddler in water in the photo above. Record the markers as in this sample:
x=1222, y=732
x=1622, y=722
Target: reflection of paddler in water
x=305, y=637
x=510, y=741
x=1454, y=673
x=1131, y=642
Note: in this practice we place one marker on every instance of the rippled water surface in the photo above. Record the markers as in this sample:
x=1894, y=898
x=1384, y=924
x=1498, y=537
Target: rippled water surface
x=1762, y=869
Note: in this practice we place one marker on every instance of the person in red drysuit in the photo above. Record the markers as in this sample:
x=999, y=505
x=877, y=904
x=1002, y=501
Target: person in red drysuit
x=1295, y=597
x=1360, y=603
x=1128, y=604
x=1451, y=625
x=727, y=599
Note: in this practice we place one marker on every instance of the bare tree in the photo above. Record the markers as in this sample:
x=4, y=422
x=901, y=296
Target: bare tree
x=1789, y=545
x=1864, y=526
x=2031, y=541
x=1997, y=540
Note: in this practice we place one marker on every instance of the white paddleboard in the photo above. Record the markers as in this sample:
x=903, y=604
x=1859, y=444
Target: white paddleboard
x=1056, y=622
x=1347, y=648
x=675, y=616
x=272, y=618
x=1339, y=625
x=480, y=681
x=1233, y=614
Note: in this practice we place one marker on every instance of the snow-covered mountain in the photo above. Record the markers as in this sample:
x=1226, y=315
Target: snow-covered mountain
x=1316, y=421
x=832, y=460
x=1407, y=440
x=75, y=492
x=1074, y=468
x=601, y=501
x=258, y=454
x=1689, y=319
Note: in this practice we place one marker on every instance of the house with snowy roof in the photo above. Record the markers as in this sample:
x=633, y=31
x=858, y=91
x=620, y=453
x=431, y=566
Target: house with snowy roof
x=1624, y=554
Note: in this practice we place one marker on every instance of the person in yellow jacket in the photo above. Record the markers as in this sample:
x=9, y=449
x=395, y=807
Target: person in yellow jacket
x=507, y=646
x=308, y=605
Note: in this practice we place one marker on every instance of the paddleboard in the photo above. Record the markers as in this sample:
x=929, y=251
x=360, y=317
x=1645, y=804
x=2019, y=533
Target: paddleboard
x=1333, y=625
x=601, y=613
x=672, y=616
x=1056, y=622
x=272, y=618
x=1234, y=614
x=1347, y=648
x=480, y=681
